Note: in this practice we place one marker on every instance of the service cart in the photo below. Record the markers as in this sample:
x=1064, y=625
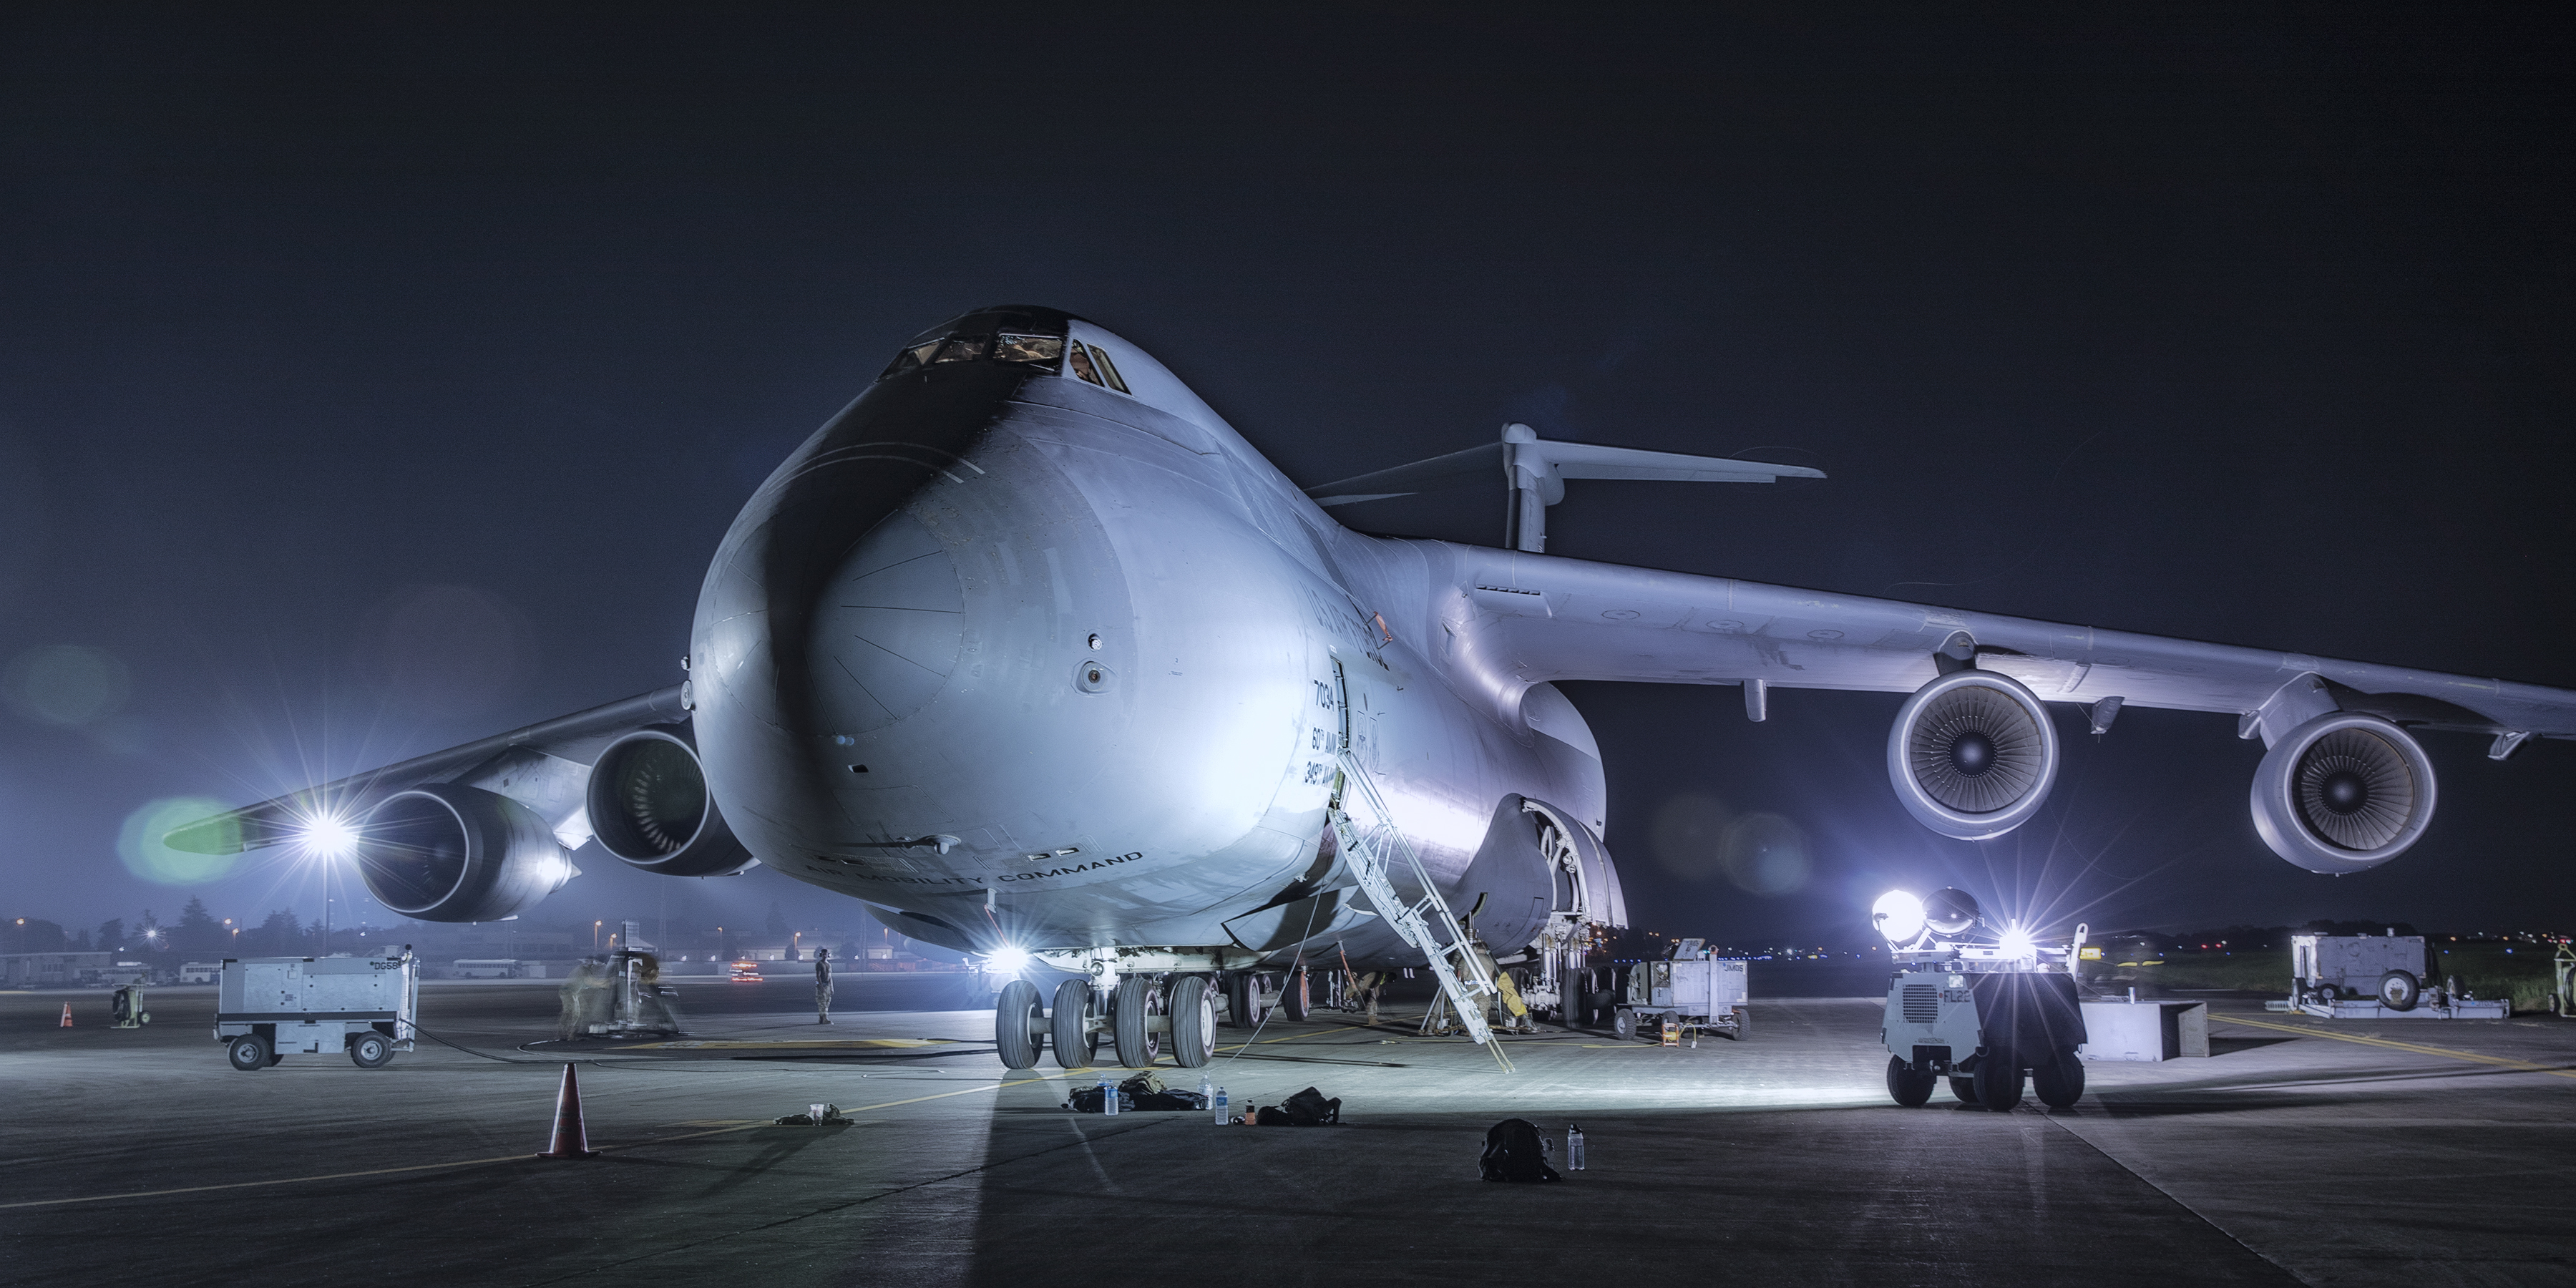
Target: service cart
x=268, y=1008
x=2376, y=977
x=1689, y=989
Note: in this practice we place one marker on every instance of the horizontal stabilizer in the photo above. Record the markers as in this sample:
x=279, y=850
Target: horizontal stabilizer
x=1535, y=469
x=1550, y=463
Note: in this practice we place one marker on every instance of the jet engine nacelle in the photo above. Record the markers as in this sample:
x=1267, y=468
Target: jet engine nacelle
x=2342, y=793
x=448, y=852
x=1972, y=755
x=649, y=805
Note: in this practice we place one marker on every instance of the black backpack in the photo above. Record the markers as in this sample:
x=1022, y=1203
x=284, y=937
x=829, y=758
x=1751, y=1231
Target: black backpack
x=1513, y=1152
x=1309, y=1108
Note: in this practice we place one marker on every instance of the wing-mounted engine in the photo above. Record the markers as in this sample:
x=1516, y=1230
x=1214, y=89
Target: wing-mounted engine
x=449, y=852
x=1972, y=755
x=649, y=805
x=2343, y=792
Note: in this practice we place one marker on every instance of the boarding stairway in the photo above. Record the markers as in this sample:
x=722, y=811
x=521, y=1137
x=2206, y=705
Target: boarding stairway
x=1426, y=923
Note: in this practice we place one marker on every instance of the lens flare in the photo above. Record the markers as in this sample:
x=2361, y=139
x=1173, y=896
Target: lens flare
x=328, y=836
x=1898, y=916
x=1006, y=961
x=2017, y=944
x=140, y=843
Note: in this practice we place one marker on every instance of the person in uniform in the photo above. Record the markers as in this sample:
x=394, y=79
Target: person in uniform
x=822, y=986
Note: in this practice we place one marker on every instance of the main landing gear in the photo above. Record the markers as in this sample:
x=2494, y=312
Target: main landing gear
x=1143, y=1017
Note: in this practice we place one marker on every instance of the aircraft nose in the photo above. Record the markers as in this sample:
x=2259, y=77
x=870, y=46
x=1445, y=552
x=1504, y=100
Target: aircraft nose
x=831, y=608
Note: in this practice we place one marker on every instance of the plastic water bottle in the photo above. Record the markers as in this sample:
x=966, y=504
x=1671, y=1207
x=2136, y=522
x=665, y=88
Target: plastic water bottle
x=1224, y=1115
x=1108, y=1097
x=1573, y=1148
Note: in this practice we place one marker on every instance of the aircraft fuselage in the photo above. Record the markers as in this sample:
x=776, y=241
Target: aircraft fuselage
x=1053, y=666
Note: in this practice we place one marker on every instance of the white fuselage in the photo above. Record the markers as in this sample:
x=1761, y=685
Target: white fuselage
x=1055, y=666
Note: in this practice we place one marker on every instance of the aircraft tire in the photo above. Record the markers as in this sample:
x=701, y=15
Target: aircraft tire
x=1965, y=1089
x=1136, y=1002
x=1905, y=1086
x=1076, y=1043
x=1015, y=1016
x=1240, y=988
x=2059, y=1082
x=1193, y=1022
x=1998, y=1079
x=1293, y=1002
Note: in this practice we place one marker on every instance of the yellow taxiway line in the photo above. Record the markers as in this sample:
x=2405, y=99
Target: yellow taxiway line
x=2416, y=1048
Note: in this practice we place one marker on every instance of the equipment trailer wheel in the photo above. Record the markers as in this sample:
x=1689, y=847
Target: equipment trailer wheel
x=1137, y=1001
x=1905, y=1086
x=1965, y=1089
x=1193, y=1022
x=248, y=1054
x=371, y=1050
x=2058, y=1082
x=2398, y=990
x=1998, y=1079
x=1625, y=1026
x=1076, y=1042
x=1015, y=1019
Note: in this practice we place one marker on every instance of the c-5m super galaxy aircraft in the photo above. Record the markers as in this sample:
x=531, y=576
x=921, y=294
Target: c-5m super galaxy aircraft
x=1030, y=651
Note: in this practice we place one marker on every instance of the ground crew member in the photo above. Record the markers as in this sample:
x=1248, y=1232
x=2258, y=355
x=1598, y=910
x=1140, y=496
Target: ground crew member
x=822, y=986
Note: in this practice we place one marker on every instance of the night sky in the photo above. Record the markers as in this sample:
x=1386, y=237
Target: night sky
x=376, y=378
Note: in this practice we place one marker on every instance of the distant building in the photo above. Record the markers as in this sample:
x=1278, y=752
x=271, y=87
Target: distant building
x=52, y=970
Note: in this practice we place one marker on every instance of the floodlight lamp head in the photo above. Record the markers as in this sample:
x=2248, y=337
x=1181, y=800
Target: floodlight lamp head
x=1898, y=917
x=1949, y=911
x=2017, y=945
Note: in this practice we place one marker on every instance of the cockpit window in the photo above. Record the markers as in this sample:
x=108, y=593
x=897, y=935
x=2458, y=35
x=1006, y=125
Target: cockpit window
x=1034, y=350
x=1020, y=348
x=912, y=359
x=1108, y=369
x=964, y=348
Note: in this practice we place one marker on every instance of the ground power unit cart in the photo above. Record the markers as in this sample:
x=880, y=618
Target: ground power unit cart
x=1689, y=989
x=268, y=1008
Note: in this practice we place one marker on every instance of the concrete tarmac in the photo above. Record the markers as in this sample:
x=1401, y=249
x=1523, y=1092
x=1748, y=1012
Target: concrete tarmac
x=2415, y=1152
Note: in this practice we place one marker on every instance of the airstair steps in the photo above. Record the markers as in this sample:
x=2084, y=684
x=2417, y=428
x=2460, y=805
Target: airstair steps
x=1425, y=923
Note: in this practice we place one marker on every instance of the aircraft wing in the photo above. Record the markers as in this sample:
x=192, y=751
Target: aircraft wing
x=1530, y=618
x=571, y=741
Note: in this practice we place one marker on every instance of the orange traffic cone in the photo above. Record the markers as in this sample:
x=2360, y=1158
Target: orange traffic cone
x=67, y=1015
x=570, y=1140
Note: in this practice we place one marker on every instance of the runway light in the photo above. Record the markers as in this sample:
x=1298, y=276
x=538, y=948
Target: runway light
x=1006, y=961
x=1898, y=916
